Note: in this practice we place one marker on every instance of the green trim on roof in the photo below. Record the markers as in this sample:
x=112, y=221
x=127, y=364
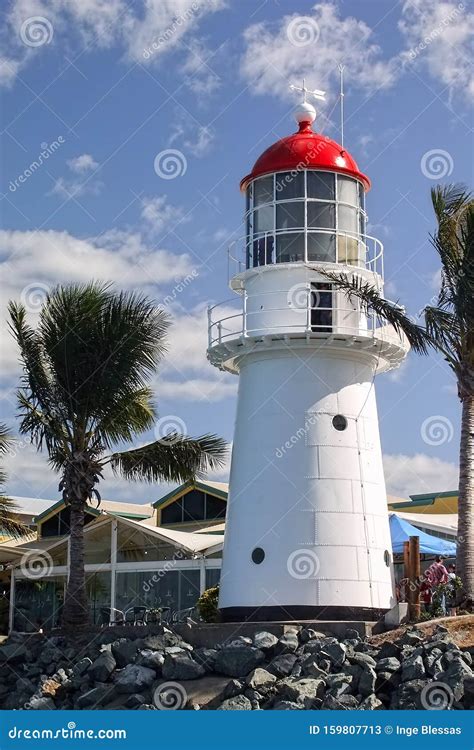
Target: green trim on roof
x=59, y=506
x=434, y=495
x=126, y=515
x=189, y=484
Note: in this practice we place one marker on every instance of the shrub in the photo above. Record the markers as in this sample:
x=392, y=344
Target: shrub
x=208, y=605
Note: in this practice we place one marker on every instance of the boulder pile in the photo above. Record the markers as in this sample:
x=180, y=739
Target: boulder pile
x=303, y=669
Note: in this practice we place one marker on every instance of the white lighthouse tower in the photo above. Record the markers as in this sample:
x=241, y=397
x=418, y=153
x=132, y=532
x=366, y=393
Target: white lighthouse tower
x=307, y=531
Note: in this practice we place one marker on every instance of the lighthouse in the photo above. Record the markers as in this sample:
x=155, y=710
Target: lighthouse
x=307, y=529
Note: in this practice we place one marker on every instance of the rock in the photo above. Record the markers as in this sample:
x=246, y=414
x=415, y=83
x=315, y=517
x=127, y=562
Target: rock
x=371, y=703
x=134, y=679
x=238, y=661
x=241, y=640
x=287, y=706
x=468, y=693
x=206, y=657
x=102, y=667
x=147, y=707
x=282, y=665
x=265, y=641
x=389, y=664
x=413, y=669
x=135, y=700
x=454, y=678
x=338, y=679
x=367, y=680
x=124, y=651
x=288, y=643
x=239, y=703
x=233, y=688
x=308, y=634
x=260, y=678
x=310, y=668
x=206, y=692
x=432, y=662
x=389, y=649
x=336, y=653
x=13, y=653
x=331, y=703
x=352, y=634
x=42, y=704
x=411, y=638
x=151, y=659
x=181, y=667
x=299, y=690
x=94, y=697
x=81, y=667
x=363, y=660
x=407, y=697
x=387, y=682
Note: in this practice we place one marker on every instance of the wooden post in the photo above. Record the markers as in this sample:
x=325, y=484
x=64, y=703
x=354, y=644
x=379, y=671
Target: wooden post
x=406, y=559
x=414, y=586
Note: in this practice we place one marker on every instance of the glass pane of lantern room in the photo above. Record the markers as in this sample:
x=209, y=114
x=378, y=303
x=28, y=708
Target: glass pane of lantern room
x=347, y=219
x=289, y=185
x=321, y=215
x=321, y=185
x=263, y=190
x=290, y=247
x=290, y=215
x=347, y=190
x=321, y=247
x=263, y=220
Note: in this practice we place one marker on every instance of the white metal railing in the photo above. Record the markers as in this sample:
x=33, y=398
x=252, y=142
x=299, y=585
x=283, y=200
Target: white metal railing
x=350, y=248
x=310, y=318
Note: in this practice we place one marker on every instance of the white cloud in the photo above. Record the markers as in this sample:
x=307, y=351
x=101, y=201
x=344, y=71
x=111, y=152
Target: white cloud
x=411, y=475
x=199, y=70
x=160, y=214
x=276, y=55
x=32, y=262
x=82, y=164
x=439, y=38
x=193, y=139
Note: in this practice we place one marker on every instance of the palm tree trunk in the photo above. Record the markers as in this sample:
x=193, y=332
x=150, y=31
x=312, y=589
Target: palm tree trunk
x=76, y=610
x=465, y=541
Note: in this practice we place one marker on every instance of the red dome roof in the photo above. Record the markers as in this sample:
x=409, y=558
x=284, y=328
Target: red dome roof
x=305, y=150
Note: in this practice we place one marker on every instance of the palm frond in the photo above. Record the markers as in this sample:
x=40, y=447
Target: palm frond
x=390, y=312
x=175, y=458
x=9, y=523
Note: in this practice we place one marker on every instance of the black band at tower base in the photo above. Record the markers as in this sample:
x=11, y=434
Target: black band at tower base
x=296, y=612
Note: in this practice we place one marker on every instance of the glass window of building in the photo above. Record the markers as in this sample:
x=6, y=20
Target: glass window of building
x=290, y=215
x=263, y=190
x=321, y=307
x=322, y=215
x=321, y=185
x=289, y=185
x=290, y=247
x=347, y=190
x=193, y=508
x=263, y=220
x=347, y=219
x=321, y=247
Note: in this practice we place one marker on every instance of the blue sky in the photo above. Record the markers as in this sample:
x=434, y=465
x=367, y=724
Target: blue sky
x=105, y=88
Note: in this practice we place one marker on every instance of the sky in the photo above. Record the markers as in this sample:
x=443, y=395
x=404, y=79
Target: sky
x=140, y=119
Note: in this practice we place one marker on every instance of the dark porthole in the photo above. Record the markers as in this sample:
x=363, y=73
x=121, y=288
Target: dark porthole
x=258, y=555
x=339, y=422
x=386, y=557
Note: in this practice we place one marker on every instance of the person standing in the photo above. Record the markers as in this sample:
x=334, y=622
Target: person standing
x=451, y=594
x=437, y=575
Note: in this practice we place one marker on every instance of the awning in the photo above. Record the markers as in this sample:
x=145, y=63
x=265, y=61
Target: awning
x=401, y=531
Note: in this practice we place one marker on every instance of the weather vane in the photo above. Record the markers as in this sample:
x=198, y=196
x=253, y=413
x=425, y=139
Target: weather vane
x=316, y=93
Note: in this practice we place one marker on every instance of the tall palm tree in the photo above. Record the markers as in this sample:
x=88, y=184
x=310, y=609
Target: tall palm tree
x=9, y=524
x=85, y=392
x=449, y=329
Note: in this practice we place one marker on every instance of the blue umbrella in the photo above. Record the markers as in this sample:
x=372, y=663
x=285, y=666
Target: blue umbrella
x=401, y=531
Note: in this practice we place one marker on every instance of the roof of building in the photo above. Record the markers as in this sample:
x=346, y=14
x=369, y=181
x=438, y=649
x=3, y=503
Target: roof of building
x=445, y=523
x=128, y=510
x=30, y=506
x=191, y=542
x=432, y=502
x=219, y=489
x=306, y=150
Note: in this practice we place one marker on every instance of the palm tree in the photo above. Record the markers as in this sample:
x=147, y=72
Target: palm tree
x=8, y=522
x=85, y=392
x=449, y=329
